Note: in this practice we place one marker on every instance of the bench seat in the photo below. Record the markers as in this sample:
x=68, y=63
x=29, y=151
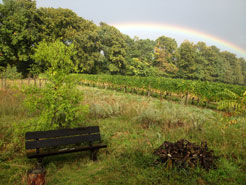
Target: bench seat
x=40, y=144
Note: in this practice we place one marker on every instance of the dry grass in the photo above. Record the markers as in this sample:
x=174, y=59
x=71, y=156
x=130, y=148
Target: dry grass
x=144, y=110
x=11, y=102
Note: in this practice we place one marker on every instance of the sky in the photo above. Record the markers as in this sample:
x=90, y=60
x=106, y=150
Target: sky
x=217, y=22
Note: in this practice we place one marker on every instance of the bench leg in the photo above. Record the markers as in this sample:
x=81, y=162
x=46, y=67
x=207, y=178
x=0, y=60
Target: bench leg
x=40, y=160
x=93, y=155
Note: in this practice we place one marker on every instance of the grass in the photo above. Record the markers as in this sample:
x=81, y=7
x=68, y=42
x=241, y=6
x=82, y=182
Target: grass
x=132, y=126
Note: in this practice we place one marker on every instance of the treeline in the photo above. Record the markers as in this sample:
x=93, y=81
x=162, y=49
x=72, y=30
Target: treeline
x=104, y=49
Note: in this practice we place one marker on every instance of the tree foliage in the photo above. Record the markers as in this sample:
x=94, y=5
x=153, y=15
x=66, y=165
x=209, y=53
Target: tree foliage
x=59, y=101
x=18, y=32
x=104, y=49
x=113, y=49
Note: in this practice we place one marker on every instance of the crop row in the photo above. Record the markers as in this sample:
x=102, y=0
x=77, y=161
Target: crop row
x=207, y=91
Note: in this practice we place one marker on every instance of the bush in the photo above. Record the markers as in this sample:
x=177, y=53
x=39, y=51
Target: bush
x=10, y=73
x=59, y=102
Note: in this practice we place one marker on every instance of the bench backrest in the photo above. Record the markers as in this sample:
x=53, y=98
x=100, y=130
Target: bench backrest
x=51, y=138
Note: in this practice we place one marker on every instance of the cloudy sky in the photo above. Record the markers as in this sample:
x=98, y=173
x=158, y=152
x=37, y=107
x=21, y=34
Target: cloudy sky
x=216, y=22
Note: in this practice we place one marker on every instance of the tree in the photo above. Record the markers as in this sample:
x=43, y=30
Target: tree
x=186, y=63
x=166, y=55
x=229, y=67
x=169, y=47
x=18, y=33
x=59, y=101
x=113, y=49
x=139, y=57
x=202, y=63
x=56, y=22
x=65, y=25
x=87, y=44
x=143, y=49
x=209, y=62
x=243, y=68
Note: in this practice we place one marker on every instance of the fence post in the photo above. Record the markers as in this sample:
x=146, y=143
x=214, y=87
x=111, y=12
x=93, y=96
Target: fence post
x=2, y=82
x=5, y=84
x=149, y=90
x=186, y=98
x=35, y=82
x=40, y=83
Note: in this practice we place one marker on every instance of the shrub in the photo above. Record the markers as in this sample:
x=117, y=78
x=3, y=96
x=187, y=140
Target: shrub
x=59, y=101
x=10, y=73
x=232, y=102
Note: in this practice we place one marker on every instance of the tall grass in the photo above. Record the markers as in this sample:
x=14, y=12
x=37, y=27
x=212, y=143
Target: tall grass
x=145, y=110
x=11, y=102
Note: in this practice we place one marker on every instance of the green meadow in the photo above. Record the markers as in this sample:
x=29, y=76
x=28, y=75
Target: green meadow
x=132, y=126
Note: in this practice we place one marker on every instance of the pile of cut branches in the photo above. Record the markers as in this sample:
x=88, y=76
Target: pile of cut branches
x=183, y=154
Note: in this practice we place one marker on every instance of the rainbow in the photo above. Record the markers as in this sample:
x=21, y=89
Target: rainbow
x=174, y=30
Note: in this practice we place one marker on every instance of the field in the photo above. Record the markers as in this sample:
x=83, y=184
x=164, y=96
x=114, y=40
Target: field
x=199, y=92
x=132, y=126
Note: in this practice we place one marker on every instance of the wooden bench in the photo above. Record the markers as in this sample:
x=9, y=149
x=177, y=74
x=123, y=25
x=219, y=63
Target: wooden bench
x=53, y=142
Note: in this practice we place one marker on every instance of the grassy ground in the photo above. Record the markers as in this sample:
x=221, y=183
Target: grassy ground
x=132, y=126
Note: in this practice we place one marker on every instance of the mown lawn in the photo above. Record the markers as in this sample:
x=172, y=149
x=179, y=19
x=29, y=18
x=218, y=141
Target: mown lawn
x=133, y=127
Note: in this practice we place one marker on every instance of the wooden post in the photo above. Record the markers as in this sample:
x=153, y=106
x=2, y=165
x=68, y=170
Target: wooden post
x=2, y=83
x=5, y=84
x=36, y=176
x=186, y=98
x=192, y=102
x=40, y=83
x=149, y=91
x=34, y=83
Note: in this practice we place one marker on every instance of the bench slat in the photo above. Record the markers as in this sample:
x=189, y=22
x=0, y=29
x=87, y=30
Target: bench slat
x=34, y=155
x=62, y=141
x=61, y=132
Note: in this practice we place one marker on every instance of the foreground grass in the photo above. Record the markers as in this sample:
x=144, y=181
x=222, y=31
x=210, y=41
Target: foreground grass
x=132, y=126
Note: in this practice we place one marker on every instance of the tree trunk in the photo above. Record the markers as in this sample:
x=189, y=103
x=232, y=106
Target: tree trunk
x=36, y=176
